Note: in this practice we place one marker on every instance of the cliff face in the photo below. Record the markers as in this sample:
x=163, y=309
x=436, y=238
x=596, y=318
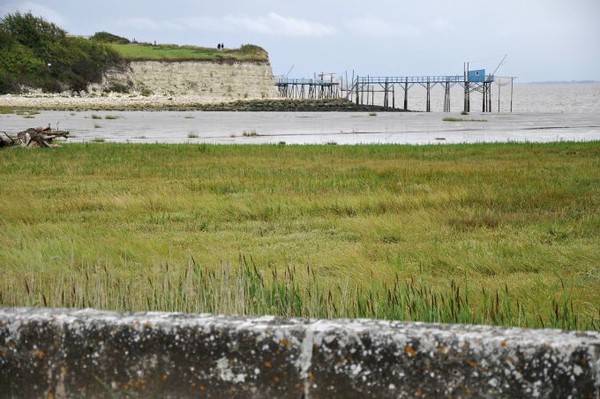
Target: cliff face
x=213, y=80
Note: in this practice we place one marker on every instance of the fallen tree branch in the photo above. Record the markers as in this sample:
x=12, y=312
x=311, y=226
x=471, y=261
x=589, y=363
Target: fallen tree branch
x=34, y=137
x=6, y=143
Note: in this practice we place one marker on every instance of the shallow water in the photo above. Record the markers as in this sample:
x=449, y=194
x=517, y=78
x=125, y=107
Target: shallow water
x=312, y=128
x=543, y=113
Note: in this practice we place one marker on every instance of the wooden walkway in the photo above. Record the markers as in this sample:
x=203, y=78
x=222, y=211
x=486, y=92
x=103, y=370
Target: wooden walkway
x=363, y=89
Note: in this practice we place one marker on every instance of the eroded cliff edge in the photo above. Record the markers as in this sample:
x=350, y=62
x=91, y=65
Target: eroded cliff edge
x=215, y=81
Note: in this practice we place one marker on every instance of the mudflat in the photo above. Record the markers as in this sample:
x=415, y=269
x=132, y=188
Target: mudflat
x=310, y=127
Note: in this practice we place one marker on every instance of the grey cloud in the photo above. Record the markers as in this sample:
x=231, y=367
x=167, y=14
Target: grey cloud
x=372, y=26
x=36, y=9
x=269, y=24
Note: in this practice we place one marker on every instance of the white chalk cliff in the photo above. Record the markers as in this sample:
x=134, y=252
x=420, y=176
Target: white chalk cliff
x=212, y=80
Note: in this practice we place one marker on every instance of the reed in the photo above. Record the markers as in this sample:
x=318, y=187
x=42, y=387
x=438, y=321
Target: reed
x=242, y=289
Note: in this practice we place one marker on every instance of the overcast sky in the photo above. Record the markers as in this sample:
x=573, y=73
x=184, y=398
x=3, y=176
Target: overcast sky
x=544, y=39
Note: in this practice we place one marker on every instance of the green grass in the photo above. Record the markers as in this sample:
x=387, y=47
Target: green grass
x=171, y=52
x=451, y=119
x=250, y=133
x=27, y=113
x=493, y=233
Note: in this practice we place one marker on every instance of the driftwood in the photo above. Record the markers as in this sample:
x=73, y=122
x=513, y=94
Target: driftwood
x=33, y=137
x=6, y=140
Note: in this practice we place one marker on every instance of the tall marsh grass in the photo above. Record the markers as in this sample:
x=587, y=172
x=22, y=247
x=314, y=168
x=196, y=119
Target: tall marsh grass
x=244, y=290
x=501, y=234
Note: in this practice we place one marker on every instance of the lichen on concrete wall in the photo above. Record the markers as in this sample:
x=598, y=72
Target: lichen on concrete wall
x=89, y=353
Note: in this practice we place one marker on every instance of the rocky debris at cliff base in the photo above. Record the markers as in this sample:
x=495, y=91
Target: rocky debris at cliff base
x=296, y=105
x=33, y=137
x=119, y=102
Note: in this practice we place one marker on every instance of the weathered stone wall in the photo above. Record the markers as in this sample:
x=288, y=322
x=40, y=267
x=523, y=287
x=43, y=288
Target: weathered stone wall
x=86, y=353
x=213, y=80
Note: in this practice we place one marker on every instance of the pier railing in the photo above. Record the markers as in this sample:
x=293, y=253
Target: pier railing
x=315, y=82
x=416, y=79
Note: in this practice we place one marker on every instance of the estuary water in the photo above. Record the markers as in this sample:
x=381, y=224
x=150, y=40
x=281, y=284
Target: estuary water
x=541, y=113
x=532, y=97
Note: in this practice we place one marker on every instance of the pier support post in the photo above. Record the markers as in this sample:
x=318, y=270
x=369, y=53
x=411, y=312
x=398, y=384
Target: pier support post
x=385, y=94
x=467, y=102
x=512, y=85
x=484, y=90
x=447, y=97
x=490, y=97
x=428, y=105
x=406, y=95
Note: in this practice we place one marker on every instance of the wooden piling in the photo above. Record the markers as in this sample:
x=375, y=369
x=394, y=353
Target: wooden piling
x=447, y=97
x=406, y=95
x=428, y=104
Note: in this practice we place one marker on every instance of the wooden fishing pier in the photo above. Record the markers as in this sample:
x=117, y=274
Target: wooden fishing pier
x=363, y=90
x=312, y=89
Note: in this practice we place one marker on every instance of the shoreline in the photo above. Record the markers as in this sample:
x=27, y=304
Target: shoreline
x=124, y=102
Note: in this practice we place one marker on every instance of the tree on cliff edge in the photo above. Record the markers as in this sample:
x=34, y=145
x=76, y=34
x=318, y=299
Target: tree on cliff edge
x=35, y=53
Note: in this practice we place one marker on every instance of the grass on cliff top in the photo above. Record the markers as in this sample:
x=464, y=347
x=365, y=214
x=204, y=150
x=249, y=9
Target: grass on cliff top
x=172, y=52
x=494, y=233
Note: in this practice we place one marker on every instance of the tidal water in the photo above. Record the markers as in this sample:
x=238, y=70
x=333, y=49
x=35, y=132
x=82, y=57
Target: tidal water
x=531, y=97
x=541, y=113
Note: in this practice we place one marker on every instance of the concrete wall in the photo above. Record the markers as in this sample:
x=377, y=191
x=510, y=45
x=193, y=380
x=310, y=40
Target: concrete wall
x=213, y=80
x=87, y=353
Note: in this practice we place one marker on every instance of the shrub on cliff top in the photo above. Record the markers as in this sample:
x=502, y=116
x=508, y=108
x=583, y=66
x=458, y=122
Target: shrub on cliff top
x=254, y=51
x=39, y=54
x=106, y=37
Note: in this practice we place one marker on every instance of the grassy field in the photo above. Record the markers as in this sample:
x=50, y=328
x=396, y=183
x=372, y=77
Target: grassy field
x=503, y=234
x=172, y=52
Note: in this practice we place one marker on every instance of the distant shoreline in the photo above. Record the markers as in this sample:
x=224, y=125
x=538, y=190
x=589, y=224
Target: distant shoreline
x=561, y=82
